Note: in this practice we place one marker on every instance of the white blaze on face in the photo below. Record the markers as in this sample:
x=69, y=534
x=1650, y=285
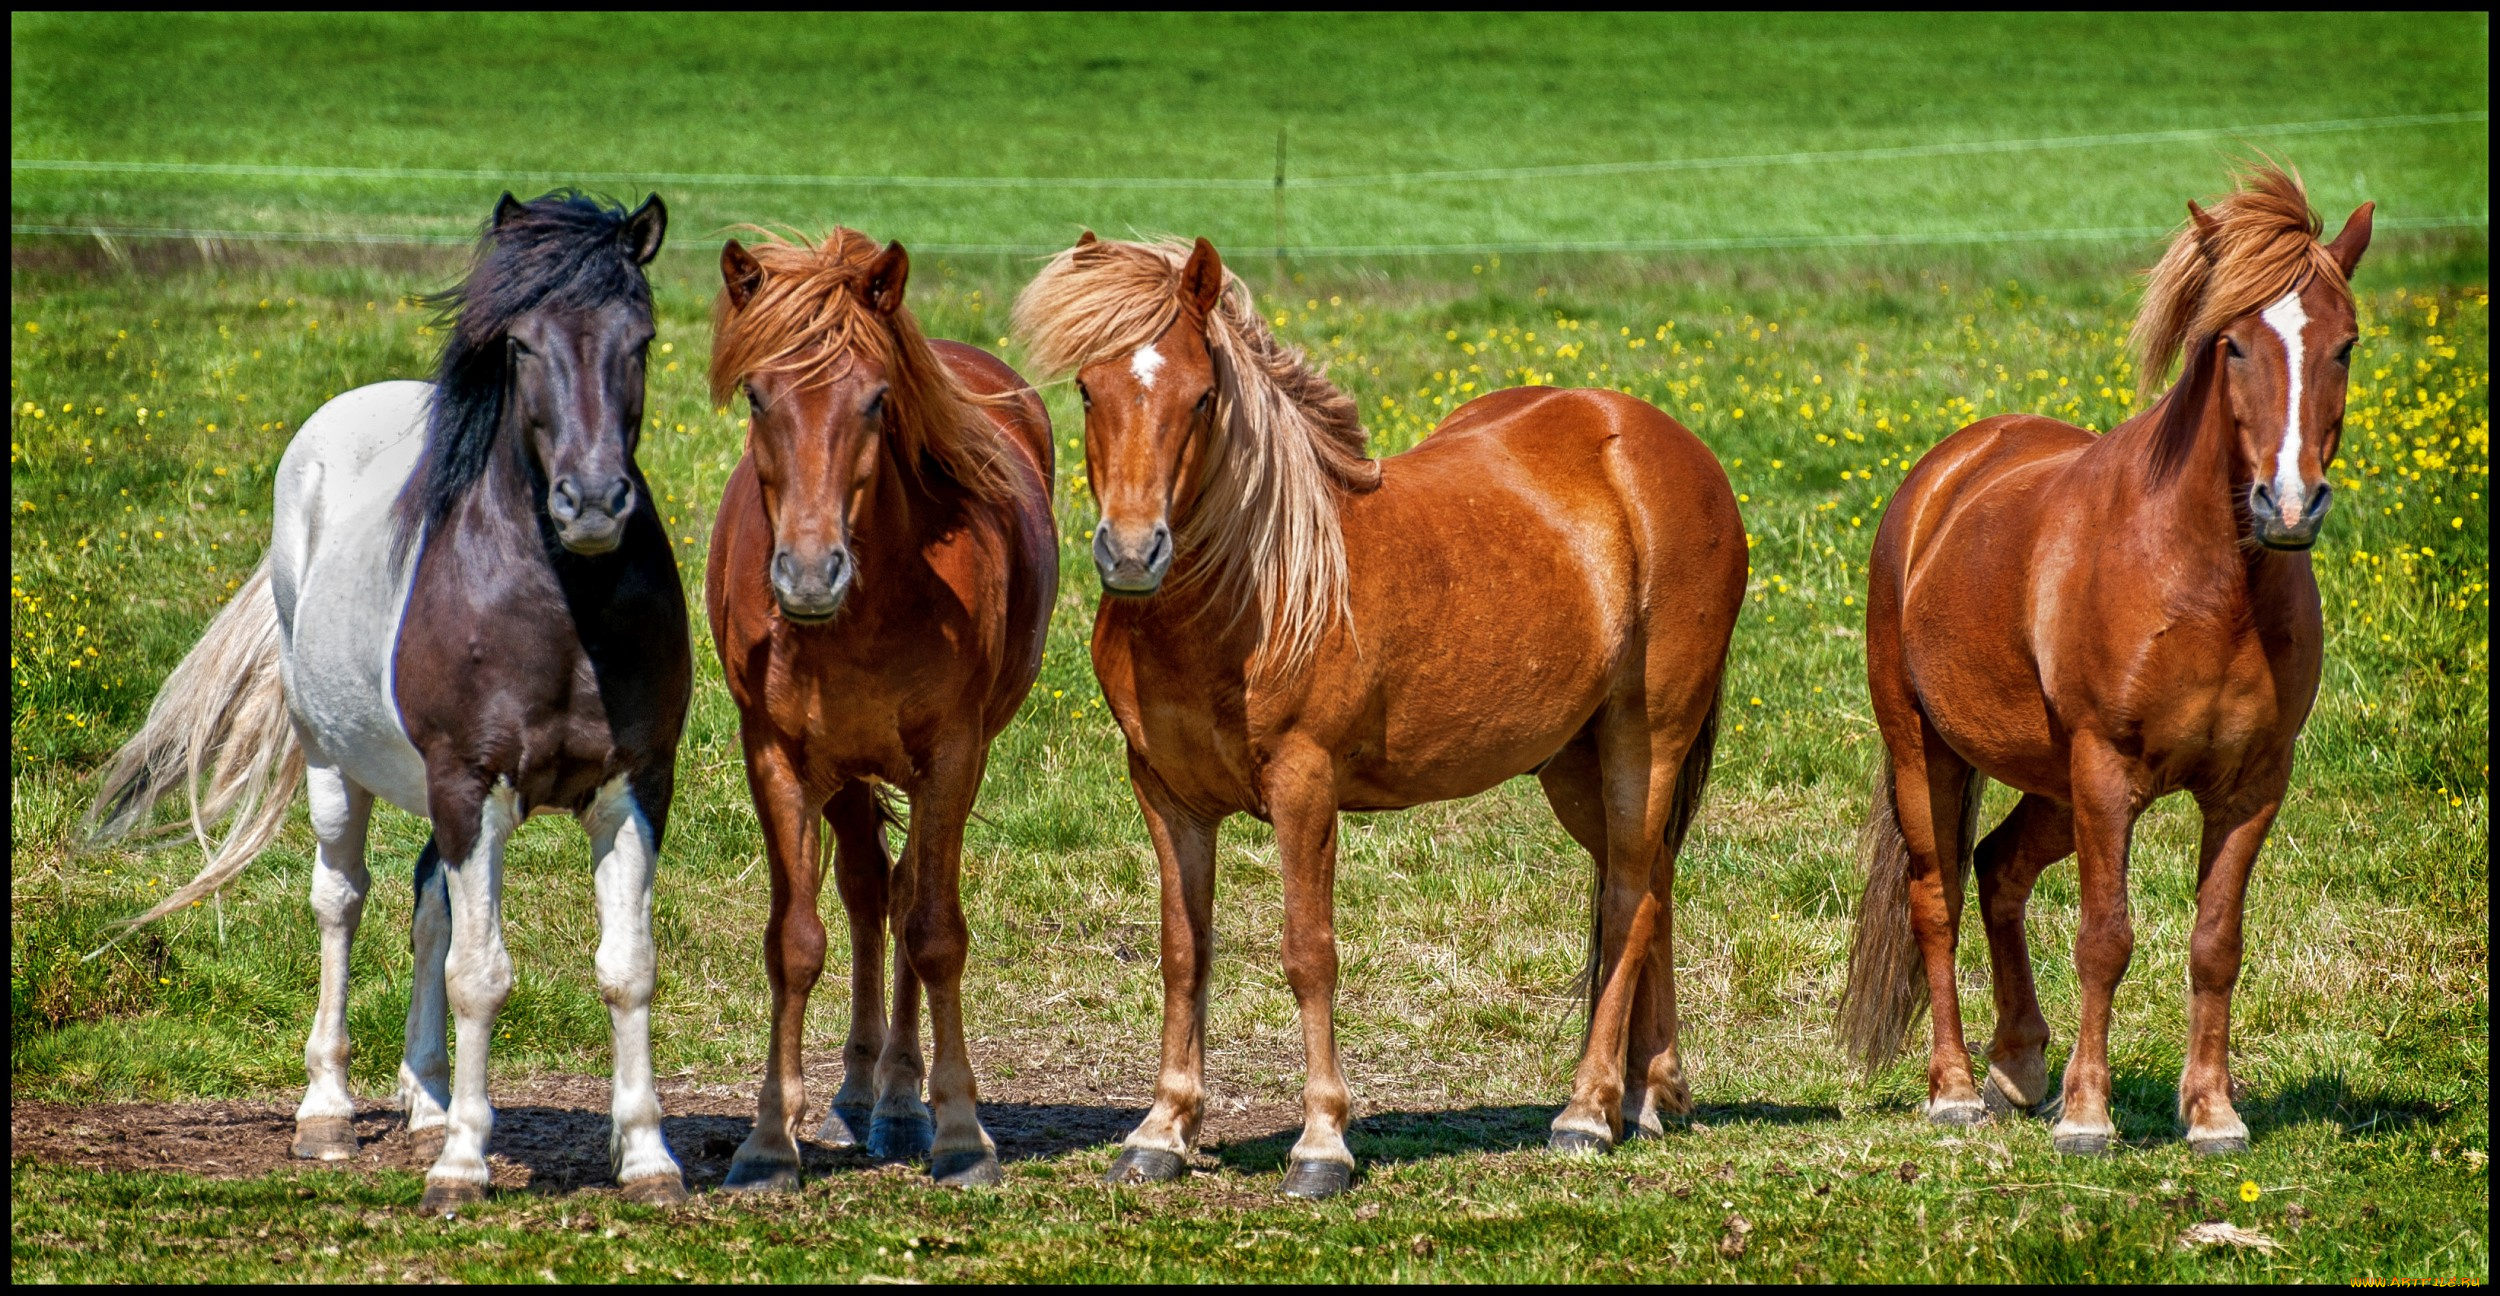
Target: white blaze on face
x=2287, y=320
x=1145, y=364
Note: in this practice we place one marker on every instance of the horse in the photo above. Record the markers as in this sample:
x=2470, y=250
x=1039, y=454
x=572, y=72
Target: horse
x=881, y=577
x=2099, y=622
x=470, y=610
x=1290, y=628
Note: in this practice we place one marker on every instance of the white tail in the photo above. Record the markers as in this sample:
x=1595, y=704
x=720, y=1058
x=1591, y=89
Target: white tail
x=222, y=714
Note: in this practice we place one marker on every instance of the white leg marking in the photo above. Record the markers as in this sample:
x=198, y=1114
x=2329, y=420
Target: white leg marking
x=621, y=843
x=2287, y=319
x=477, y=979
x=340, y=810
x=425, y=1063
x=1144, y=364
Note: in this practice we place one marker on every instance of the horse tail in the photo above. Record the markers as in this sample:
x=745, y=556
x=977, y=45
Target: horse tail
x=222, y=714
x=1887, y=982
x=1690, y=781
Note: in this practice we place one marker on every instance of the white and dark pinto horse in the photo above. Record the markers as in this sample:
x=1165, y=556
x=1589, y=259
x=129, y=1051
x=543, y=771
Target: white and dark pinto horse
x=470, y=610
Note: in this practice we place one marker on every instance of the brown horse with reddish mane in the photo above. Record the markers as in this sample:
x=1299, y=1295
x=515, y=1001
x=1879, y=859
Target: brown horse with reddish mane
x=2098, y=622
x=1291, y=629
x=881, y=576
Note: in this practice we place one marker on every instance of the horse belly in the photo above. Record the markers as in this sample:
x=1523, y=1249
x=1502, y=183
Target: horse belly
x=340, y=595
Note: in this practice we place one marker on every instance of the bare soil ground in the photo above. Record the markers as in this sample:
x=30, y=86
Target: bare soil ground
x=551, y=1132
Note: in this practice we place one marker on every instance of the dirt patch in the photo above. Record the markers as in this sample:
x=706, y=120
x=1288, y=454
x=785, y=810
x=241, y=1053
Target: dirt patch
x=551, y=1133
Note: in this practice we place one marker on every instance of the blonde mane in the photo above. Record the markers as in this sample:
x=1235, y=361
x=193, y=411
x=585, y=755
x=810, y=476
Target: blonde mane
x=808, y=319
x=1264, y=532
x=2254, y=244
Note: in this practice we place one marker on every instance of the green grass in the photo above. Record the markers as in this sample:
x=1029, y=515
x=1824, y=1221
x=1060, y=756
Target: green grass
x=2363, y=1023
x=1203, y=97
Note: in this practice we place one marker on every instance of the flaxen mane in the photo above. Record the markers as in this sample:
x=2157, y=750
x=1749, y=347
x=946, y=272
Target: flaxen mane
x=809, y=320
x=2252, y=246
x=1265, y=531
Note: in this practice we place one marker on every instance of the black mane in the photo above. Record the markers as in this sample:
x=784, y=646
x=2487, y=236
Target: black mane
x=566, y=250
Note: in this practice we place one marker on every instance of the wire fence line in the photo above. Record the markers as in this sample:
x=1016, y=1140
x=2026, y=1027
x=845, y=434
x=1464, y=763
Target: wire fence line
x=1755, y=242
x=1263, y=183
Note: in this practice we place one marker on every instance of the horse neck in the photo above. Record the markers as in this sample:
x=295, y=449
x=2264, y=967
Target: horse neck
x=2194, y=507
x=901, y=515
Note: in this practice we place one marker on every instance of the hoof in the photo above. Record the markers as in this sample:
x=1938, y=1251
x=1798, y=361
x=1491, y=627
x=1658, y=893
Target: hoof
x=1571, y=1142
x=447, y=1198
x=842, y=1126
x=900, y=1138
x=1997, y=1103
x=663, y=1190
x=1314, y=1180
x=2222, y=1145
x=2085, y=1143
x=325, y=1138
x=1958, y=1114
x=759, y=1176
x=1138, y=1165
x=976, y=1169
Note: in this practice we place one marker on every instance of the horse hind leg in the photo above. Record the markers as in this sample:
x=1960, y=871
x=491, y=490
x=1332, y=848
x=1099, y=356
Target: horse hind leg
x=1633, y=748
x=425, y=1061
x=2036, y=834
x=860, y=871
x=325, y=1128
x=1938, y=806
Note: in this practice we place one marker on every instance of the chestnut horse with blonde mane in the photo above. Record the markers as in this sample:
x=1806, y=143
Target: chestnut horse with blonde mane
x=1290, y=629
x=881, y=576
x=2098, y=622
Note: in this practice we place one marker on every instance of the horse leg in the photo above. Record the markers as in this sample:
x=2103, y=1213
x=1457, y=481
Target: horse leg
x=794, y=956
x=1575, y=787
x=2234, y=830
x=1185, y=858
x=860, y=866
x=473, y=823
x=1934, y=794
x=325, y=1124
x=2106, y=805
x=961, y=1154
x=899, y=1127
x=1640, y=763
x=1301, y=792
x=424, y=1062
x=2039, y=832
x=625, y=850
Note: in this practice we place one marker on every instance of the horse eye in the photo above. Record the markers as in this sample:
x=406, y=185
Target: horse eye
x=876, y=408
x=1206, y=404
x=2343, y=355
x=2232, y=345
x=1084, y=397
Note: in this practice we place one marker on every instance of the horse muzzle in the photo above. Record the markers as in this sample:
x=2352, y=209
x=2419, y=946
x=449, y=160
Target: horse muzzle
x=1132, y=562
x=2267, y=523
x=590, y=520
x=810, y=591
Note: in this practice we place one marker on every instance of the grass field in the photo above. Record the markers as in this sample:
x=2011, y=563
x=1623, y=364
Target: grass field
x=152, y=391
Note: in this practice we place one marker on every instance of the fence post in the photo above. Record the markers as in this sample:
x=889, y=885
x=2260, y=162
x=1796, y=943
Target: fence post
x=1283, y=279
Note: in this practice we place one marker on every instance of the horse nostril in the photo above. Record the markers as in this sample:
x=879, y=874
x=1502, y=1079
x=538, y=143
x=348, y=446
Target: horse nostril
x=837, y=569
x=1159, y=551
x=620, y=497
x=2317, y=503
x=564, y=501
x=785, y=570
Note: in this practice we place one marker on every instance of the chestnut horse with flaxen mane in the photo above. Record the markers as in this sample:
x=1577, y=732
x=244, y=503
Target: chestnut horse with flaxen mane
x=2098, y=622
x=1290, y=629
x=881, y=575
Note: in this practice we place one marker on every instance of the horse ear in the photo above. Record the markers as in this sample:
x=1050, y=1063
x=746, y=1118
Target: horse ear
x=2355, y=240
x=1202, y=278
x=2207, y=228
x=884, y=289
x=507, y=209
x=740, y=273
x=1085, y=238
x=644, y=230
